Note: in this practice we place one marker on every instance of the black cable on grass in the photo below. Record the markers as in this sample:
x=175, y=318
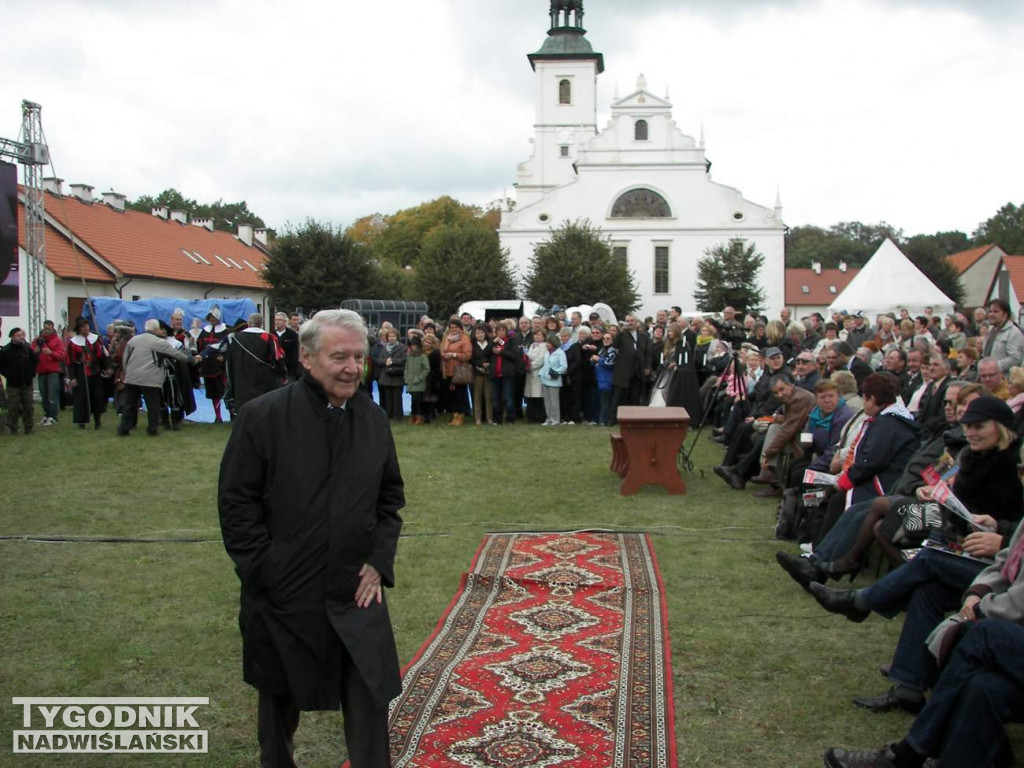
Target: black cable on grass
x=59, y=539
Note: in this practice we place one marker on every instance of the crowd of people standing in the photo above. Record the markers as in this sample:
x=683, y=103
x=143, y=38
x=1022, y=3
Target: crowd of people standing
x=161, y=365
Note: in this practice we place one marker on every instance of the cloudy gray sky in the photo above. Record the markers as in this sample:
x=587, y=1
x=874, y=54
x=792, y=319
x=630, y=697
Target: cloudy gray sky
x=902, y=110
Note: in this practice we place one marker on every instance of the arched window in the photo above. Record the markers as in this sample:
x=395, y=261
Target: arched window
x=565, y=92
x=641, y=204
x=640, y=130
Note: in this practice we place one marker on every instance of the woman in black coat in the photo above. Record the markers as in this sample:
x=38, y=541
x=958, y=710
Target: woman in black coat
x=677, y=357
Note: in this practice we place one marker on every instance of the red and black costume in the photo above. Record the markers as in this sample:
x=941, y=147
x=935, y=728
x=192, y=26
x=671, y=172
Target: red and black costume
x=87, y=359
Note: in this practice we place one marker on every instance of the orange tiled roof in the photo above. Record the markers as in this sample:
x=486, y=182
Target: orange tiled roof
x=65, y=261
x=146, y=246
x=819, y=287
x=1015, y=266
x=964, y=260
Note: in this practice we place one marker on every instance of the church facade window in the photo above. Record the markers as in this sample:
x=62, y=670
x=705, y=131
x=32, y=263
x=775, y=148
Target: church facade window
x=641, y=204
x=564, y=92
x=640, y=130
x=661, y=269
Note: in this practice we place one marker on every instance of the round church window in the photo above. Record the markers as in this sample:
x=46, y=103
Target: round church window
x=641, y=204
x=738, y=216
x=544, y=217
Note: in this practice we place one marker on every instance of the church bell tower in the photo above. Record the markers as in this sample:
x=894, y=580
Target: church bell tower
x=565, y=97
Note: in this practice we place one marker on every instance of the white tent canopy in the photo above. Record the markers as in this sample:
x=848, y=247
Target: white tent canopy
x=889, y=282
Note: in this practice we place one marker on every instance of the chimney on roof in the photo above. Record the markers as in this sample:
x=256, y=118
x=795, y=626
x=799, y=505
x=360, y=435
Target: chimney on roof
x=82, y=192
x=245, y=234
x=53, y=185
x=260, y=234
x=179, y=216
x=816, y=266
x=114, y=199
x=161, y=211
x=204, y=223
x=842, y=266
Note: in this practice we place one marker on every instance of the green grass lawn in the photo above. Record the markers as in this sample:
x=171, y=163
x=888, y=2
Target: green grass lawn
x=761, y=674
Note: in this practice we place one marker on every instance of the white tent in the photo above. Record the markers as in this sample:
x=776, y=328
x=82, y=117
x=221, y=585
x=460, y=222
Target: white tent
x=889, y=282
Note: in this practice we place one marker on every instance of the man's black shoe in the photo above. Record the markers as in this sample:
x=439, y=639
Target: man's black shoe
x=801, y=569
x=896, y=697
x=722, y=471
x=841, y=601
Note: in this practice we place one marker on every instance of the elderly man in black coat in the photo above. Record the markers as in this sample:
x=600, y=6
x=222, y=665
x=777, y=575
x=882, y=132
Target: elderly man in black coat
x=309, y=495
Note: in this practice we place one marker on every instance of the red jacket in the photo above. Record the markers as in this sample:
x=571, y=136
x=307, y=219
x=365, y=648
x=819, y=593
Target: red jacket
x=49, y=363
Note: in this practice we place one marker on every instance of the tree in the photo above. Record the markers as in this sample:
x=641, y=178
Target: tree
x=316, y=266
x=929, y=252
x=226, y=216
x=576, y=266
x=849, y=241
x=1005, y=229
x=727, y=277
x=399, y=237
x=462, y=262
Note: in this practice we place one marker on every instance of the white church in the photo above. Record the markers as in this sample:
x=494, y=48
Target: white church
x=640, y=180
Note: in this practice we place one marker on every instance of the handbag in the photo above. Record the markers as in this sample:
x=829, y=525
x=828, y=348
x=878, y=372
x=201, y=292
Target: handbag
x=462, y=373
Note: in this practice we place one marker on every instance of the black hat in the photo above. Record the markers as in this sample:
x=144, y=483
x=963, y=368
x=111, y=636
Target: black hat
x=986, y=408
x=772, y=352
x=79, y=322
x=14, y=330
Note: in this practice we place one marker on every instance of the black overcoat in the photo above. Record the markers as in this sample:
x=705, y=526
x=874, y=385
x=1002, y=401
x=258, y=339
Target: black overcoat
x=306, y=497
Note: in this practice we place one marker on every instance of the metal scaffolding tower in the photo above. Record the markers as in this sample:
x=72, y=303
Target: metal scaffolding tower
x=32, y=153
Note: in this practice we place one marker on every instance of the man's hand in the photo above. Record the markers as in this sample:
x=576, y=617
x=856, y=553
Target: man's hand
x=369, y=586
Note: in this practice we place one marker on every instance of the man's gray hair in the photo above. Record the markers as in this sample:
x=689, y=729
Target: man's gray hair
x=255, y=320
x=309, y=332
x=178, y=312
x=152, y=325
x=282, y=315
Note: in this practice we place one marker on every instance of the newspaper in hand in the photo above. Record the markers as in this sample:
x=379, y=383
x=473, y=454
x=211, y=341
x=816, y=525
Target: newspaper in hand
x=945, y=496
x=820, y=478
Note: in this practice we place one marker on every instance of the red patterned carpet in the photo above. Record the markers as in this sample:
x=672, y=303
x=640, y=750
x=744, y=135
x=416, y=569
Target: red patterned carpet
x=553, y=653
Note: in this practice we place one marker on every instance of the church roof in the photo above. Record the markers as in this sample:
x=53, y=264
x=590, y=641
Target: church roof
x=567, y=43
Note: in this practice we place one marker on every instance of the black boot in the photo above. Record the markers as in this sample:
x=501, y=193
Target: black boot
x=801, y=569
x=841, y=601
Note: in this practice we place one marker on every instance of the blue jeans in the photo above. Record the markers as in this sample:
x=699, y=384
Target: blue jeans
x=604, y=417
x=49, y=391
x=981, y=688
x=840, y=539
x=928, y=587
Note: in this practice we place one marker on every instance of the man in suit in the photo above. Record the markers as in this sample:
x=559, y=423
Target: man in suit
x=932, y=415
x=632, y=365
x=914, y=377
x=852, y=363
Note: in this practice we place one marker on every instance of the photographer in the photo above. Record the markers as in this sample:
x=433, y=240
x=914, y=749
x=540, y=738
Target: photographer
x=729, y=330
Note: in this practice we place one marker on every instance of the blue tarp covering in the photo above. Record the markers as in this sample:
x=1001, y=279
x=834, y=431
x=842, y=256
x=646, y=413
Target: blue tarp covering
x=108, y=310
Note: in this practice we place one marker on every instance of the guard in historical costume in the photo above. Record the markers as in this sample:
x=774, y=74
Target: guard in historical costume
x=309, y=495
x=255, y=364
x=87, y=362
x=212, y=346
